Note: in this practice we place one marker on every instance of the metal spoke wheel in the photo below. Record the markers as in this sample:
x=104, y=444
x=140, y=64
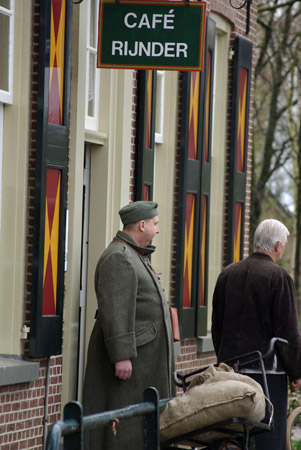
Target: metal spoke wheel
x=293, y=435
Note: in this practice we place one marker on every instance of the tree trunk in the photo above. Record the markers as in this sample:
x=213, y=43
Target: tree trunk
x=298, y=218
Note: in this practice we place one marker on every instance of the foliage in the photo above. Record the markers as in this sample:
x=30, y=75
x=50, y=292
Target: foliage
x=276, y=110
x=277, y=121
x=294, y=400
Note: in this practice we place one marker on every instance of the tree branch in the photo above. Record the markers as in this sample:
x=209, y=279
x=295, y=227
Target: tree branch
x=262, y=9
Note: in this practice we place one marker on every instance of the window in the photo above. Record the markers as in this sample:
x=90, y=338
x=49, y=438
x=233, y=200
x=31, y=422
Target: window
x=1, y=152
x=6, y=50
x=92, y=74
x=145, y=163
x=159, y=127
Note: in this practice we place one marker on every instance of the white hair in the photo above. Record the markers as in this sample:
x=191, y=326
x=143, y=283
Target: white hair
x=268, y=233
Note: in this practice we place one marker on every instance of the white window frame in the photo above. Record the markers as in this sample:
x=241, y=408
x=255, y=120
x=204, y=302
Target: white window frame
x=91, y=122
x=1, y=158
x=7, y=96
x=160, y=91
x=213, y=149
x=218, y=152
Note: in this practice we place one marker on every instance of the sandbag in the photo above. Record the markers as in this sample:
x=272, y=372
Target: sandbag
x=214, y=395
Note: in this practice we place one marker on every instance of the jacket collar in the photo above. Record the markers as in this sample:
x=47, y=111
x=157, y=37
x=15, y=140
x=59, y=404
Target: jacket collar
x=145, y=251
x=259, y=255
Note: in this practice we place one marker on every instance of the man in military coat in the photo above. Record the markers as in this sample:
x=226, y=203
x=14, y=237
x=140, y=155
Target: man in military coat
x=131, y=345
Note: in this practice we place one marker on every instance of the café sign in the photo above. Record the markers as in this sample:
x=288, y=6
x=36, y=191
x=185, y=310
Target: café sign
x=151, y=34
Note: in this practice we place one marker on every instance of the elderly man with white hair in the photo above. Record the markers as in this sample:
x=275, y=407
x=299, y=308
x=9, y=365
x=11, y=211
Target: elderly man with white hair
x=255, y=300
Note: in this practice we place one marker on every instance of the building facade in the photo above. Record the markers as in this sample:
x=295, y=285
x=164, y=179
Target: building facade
x=76, y=144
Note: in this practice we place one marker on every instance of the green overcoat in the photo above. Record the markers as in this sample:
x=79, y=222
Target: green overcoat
x=133, y=323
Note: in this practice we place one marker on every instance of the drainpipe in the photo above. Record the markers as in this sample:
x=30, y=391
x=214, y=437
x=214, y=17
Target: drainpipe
x=45, y=418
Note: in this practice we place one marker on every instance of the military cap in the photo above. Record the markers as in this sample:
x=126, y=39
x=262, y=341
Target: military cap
x=140, y=210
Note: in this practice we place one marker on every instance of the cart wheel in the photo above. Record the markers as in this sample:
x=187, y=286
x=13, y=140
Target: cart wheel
x=293, y=430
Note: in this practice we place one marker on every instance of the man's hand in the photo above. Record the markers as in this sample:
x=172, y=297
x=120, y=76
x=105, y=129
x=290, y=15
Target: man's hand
x=123, y=369
x=295, y=385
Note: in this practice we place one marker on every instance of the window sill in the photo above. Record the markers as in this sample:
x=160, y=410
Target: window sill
x=205, y=344
x=14, y=370
x=95, y=137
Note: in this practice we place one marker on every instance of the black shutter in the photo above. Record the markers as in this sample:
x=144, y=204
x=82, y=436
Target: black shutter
x=194, y=194
x=239, y=147
x=51, y=178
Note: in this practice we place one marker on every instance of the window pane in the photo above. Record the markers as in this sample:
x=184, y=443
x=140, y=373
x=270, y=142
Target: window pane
x=93, y=22
x=92, y=69
x=5, y=3
x=159, y=106
x=4, y=51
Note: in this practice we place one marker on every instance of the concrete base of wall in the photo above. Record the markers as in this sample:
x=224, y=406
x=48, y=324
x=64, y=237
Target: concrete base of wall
x=14, y=369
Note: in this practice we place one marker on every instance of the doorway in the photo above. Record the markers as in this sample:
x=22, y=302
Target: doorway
x=84, y=272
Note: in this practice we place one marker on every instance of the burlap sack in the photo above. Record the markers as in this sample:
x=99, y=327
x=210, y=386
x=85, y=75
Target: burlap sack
x=214, y=395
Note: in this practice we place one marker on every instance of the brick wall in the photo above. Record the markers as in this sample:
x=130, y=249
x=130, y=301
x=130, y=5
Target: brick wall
x=32, y=161
x=22, y=409
x=190, y=360
x=133, y=134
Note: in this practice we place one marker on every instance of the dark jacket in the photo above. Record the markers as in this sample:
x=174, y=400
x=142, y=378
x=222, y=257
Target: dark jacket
x=133, y=322
x=255, y=300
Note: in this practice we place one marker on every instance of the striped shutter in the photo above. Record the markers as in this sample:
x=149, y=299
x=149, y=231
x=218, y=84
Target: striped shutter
x=239, y=147
x=205, y=179
x=145, y=135
x=194, y=194
x=51, y=177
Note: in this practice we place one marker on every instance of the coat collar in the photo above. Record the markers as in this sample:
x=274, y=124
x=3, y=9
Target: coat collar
x=259, y=255
x=145, y=251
